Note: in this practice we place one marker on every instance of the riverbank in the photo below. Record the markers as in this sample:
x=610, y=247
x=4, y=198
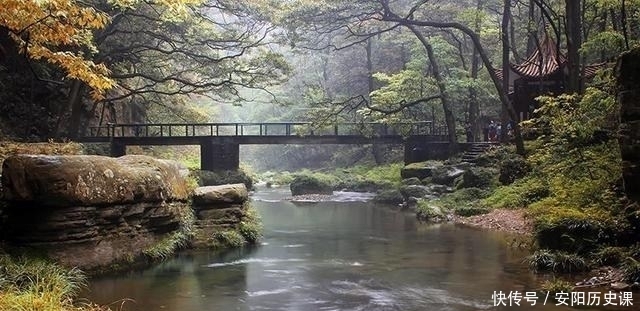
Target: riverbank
x=507, y=220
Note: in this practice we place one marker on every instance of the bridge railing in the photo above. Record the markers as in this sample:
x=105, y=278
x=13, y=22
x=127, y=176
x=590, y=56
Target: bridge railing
x=265, y=129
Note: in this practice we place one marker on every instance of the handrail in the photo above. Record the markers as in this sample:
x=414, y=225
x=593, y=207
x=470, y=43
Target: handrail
x=262, y=129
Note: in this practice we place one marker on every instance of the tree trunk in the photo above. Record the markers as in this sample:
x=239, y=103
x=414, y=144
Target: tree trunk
x=502, y=93
x=574, y=41
x=376, y=149
x=444, y=96
x=76, y=103
x=506, y=13
x=474, y=105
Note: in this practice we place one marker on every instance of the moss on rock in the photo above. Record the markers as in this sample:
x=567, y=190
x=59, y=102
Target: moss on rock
x=310, y=184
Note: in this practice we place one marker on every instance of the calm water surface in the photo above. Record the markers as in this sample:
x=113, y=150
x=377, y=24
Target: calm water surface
x=332, y=256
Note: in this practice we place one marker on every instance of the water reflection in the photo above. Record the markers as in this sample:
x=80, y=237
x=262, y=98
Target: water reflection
x=333, y=256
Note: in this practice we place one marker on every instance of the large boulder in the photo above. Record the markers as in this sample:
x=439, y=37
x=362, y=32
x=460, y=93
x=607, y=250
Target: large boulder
x=223, y=194
x=420, y=170
x=86, y=180
x=392, y=196
x=226, y=177
x=477, y=177
x=308, y=184
x=445, y=175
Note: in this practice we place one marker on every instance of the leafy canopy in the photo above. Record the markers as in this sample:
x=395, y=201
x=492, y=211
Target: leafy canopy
x=61, y=33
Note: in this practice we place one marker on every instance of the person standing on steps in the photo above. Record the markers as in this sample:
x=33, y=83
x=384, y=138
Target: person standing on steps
x=469, y=132
x=492, y=131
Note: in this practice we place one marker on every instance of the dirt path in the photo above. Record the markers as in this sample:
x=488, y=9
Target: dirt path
x=500, y=219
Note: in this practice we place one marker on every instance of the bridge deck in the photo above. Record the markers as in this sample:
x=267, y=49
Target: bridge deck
x=262, y=133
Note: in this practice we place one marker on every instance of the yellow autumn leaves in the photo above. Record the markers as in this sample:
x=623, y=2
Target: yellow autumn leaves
x=61, y=33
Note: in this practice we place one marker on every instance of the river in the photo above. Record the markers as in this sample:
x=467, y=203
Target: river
x=333, y=256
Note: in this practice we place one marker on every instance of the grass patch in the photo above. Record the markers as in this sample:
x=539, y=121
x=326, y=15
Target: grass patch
x=228, y=239
x=28, y=284
x=556, y=286
x=251, y=226
x=558, y=262
x=168, y=245
x=519, y=194
x=465, y=197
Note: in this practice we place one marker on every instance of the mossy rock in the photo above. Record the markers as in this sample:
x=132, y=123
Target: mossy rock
x=362, y=185
x=83, y=180
x=420, y=170
x=429, y=212
x=446, y=175
x=476, y=177
x=512, y=168
x=392, y=196
x=234, y=193
x=216, y=178
x=415, y=191
x=309, y=184
x=412, y=181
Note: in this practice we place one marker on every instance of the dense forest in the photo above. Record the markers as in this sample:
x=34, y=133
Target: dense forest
x=69, y=65
x=550, y=72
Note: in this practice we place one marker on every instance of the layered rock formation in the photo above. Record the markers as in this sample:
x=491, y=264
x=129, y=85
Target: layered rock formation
x=91, y=211
x=223, y=216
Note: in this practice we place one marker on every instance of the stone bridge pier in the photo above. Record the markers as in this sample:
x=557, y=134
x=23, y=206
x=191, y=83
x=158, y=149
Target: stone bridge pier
x=219, y=156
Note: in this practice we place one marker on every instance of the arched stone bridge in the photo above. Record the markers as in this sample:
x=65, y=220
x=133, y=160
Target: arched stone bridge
x=220, y=142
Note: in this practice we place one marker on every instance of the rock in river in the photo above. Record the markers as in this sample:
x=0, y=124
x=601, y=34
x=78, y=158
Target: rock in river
x=234, y=193
x=92, y=211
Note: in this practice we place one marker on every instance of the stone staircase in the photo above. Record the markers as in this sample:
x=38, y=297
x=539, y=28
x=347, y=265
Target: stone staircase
x=475, y=150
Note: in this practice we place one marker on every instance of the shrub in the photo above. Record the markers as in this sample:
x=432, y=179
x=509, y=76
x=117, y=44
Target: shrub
x=609, y=256
x=574, y=230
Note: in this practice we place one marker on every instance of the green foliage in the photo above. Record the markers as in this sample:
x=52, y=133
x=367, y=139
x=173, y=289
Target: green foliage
x=558, y=262
x=609, y=256
x=519, y=194
x=575, y=230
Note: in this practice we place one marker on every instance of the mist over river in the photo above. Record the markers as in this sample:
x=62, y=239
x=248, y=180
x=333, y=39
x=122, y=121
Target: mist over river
x=333, y=256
